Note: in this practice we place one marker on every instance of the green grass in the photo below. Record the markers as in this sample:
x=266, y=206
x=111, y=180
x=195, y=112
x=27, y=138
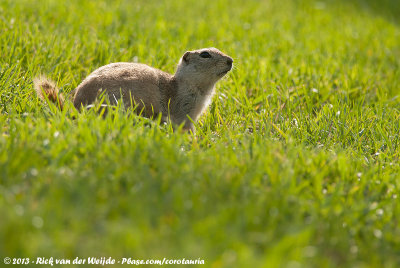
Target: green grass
x=295, y=164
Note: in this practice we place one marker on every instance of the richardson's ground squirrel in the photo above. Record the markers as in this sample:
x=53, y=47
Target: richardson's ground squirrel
x=176, y=97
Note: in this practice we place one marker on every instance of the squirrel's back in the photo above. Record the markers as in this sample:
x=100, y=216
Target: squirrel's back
x=135, y=83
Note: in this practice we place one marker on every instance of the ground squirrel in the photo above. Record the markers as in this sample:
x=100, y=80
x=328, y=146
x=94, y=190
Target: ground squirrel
x=176, y=97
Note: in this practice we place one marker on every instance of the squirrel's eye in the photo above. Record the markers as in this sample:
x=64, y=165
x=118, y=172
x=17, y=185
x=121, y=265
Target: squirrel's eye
x=205, y=54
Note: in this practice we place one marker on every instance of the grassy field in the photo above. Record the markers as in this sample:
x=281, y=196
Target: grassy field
x=295, y=164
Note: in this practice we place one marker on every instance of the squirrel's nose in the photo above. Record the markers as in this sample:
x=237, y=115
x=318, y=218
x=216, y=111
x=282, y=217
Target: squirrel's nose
x=229, y=61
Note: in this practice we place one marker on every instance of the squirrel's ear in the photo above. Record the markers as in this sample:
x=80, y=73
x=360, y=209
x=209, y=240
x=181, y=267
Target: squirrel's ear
x=185, y=57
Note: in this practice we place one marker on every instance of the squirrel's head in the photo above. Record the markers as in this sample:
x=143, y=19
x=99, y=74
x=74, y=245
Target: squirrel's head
x=204, y=66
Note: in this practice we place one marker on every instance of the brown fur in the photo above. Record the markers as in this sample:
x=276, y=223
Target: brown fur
x=135, y=84
x=151, y=91
x=47, y=90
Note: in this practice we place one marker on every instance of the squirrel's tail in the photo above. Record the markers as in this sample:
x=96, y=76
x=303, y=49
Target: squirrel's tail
x=47, y=90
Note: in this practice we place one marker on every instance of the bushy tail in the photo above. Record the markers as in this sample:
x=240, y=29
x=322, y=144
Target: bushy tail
x=47, y=90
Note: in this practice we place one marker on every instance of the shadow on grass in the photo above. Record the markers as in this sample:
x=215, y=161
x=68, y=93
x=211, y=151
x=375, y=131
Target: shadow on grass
x=388, y=9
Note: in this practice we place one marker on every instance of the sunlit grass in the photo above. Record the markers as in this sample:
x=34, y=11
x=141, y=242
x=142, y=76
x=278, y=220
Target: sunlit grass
x=295, y=164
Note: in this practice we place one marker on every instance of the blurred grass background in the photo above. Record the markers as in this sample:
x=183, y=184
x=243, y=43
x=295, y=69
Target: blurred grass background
x=296, y=163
